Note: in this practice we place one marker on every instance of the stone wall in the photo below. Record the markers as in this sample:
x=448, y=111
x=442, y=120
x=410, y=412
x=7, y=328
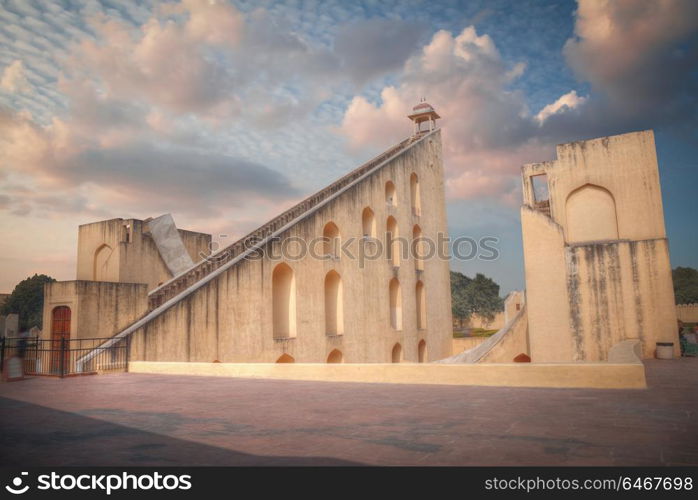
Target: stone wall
x=228, y=316
x=121, y=250
x=98, y=309
x=596, y=255
x=688, y=313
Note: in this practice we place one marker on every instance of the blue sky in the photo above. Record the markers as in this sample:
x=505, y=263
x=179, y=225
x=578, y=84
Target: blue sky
x=222, y=113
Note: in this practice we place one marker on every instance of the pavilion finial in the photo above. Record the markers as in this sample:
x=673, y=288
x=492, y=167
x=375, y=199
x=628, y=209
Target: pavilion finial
x=423, y=112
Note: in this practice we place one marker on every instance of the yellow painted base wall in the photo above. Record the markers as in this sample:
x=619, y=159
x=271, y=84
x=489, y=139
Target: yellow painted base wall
x=559, y=375
x=465, y=343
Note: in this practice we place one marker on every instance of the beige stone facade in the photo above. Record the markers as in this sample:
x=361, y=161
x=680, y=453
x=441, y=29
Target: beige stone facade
x=596, y=254
x=97, y=309
x=360, y=294
x=342, y=309
x=118, y=263
x=122, y=251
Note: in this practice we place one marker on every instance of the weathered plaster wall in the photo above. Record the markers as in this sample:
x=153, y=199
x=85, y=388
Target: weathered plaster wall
x=514, y=342
x=625, y=165
x=623, y=291
x=547, y=299
x=230, y=318
x=465, y=343
x=133, y=255
x=98, y=309
x=586, y=293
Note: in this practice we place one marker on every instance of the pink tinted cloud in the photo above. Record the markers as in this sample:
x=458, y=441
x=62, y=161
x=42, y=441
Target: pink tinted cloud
x=630, y=49
x=487, y=131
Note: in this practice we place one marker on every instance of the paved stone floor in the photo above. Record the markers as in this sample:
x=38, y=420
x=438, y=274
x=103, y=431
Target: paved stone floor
x=129, y=419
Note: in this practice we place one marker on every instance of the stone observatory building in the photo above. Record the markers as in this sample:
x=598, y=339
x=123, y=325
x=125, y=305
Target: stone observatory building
x=343, y=276
x=598, y=276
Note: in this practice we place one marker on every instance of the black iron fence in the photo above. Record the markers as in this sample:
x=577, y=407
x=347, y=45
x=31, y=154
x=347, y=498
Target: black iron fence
x=63, y=357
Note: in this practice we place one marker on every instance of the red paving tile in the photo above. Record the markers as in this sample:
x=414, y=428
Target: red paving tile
x=130, y=419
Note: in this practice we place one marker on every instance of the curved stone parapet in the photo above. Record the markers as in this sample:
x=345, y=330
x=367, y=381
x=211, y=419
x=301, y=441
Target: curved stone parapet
x=502, y=347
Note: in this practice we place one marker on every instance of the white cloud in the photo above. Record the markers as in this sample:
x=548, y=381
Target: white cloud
x=14, y=78
x=487, y=131
x=565, y=103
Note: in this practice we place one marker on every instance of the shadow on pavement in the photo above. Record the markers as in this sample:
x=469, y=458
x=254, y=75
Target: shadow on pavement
x=34, y=435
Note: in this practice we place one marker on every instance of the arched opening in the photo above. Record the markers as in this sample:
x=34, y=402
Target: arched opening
x=335, y=356
x=60, y=331
x=396, y=354
x=522, y=358
x=392, y=241
x=420, y=295
x=286, y=358
x=395, y=305
x=415, y=196
x=334, y=311
x=101, y=262
x=284, y=301
x=368, y=223
x=591, y=215
x=422, y=351
x=390, y=194
x=418, y=248
x=330, y=240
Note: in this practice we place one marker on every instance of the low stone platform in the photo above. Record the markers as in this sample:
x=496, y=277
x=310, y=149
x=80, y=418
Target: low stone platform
x=139, y=419
x=629, y=375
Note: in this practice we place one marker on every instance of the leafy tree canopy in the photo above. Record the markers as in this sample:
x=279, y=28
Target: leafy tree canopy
x=479, y=295
x=27, y=300
x=685, y=285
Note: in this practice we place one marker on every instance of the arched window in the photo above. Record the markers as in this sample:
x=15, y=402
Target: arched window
x=392, y=241
x=395, y=305
x=284, y=301
x=334, y=311
x=418, y=248
x=415, y=196
x=390, y=194
x=422, y=351
x=330, y=240
x=101, y=262
x=421, y=298
x=591, y=215
x=335, y=356
x=368, y=223
x=286, y=358
x=396, y=353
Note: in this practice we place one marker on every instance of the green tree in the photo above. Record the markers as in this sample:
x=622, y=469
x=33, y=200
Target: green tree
x=685, y=285
x=479, y=295
x=460, y=307
x=27, y=300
